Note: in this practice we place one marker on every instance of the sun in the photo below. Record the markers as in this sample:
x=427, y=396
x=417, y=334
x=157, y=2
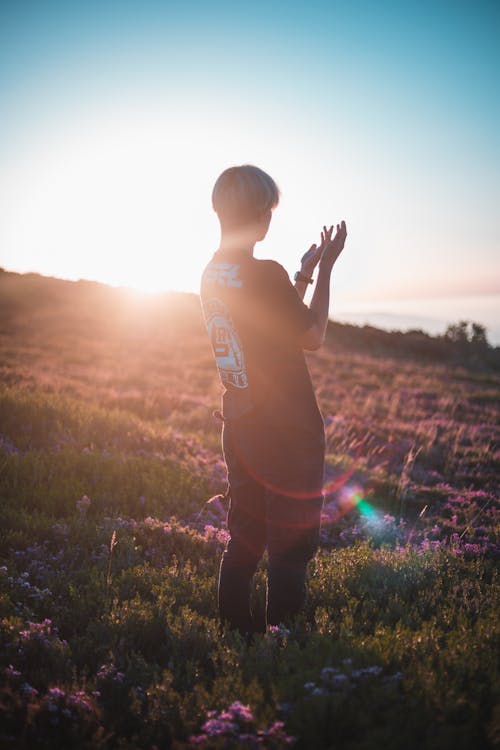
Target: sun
x=124, y=201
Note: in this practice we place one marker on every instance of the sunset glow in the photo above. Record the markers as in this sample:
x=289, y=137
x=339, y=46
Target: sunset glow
x=116, y=124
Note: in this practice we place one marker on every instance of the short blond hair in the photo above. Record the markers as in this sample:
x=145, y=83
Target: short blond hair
x=243, y=194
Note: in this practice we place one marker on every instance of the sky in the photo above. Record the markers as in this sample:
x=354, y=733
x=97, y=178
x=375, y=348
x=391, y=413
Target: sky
x=117, y=117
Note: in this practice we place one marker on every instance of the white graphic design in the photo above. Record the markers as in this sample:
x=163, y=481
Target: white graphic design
x=225, y=274
x=226, y=344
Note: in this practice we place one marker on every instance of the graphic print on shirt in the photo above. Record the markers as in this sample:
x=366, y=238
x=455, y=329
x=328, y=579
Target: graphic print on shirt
x=226, y=344
x=225, y=274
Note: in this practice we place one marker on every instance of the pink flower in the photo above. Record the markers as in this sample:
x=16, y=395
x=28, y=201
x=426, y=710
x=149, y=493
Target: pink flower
x=83, y=504
x=240, y=711
x=215, y=727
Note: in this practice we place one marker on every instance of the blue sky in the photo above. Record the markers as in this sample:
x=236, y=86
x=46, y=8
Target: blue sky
x=116, y=118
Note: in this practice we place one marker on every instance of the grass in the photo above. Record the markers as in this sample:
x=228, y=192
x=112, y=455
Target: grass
x=109, y=549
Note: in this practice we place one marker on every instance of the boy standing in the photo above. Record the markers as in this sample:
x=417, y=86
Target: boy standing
x=273, y=434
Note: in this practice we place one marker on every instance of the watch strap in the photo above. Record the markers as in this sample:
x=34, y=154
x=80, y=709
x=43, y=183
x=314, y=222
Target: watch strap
x=299, y=276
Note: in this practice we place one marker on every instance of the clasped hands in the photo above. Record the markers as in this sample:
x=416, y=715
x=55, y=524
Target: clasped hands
x=327, y=251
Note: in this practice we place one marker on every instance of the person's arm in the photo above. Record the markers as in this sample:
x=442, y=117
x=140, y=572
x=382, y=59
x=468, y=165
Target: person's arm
x=320, y=302
x=308, y=263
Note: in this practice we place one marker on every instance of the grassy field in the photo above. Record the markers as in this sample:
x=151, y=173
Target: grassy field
x=110, y=542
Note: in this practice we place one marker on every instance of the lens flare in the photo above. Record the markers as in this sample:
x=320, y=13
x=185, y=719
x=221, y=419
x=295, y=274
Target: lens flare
x=348, y=497
x=367, y=511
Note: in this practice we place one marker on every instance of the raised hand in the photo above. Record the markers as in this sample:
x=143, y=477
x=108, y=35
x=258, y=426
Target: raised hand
x=310, y=259
x=331, y=247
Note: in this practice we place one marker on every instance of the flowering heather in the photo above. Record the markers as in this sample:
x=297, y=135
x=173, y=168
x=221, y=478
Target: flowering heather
x=212, y=533
x=108, y=672
x=113, y=520
x=83, y=504
x=235, y=727
x=40, y=632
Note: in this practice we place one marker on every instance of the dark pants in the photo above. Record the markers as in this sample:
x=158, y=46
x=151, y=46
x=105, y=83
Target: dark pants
x=275, y=484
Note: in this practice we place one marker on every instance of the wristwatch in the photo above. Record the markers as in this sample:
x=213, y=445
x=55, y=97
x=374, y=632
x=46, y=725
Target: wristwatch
x=299, y=276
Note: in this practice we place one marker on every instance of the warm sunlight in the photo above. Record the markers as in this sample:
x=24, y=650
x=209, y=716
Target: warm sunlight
x=249, y=485
x=112, y=200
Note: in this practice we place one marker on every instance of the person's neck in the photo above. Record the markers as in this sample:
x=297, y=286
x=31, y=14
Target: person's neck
x=231, y=247
x=235, y=242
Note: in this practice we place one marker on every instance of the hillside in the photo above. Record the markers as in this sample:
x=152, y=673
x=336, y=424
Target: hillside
x=110, y=541
x=100, y=309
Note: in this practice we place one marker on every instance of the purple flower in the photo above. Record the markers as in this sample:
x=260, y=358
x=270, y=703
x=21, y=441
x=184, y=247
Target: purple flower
x=41, y=632
x=81, y=700
x=11, y=672
x=110, y=672
x=28, y=689
x=197, y=739
x=216, y=727
x=240, y=711
x=227, y=725
x=83, y=504
x=277, y=732
x=56, y=693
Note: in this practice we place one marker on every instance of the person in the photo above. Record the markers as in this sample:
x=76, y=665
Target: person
x=273, y=434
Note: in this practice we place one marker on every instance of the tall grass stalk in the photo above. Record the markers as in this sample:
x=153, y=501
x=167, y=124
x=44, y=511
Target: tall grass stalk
x=404, y=481
x=112, y=544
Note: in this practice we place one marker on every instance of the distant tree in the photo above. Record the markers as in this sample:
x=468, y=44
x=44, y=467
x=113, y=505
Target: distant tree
x=457, y=333
x=468, y=336
x=478, y=335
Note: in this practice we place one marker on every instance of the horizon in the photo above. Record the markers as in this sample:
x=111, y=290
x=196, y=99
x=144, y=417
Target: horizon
x=378, y=318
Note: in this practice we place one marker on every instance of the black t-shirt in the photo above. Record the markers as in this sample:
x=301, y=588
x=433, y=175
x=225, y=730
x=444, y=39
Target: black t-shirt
x=255, y=320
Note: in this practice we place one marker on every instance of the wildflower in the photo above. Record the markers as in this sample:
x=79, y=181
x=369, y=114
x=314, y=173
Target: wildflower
x=8, y=446
x=226, y=727
x=10, y=671
x=60, y=528
x=81, y=700
x=240, y=711
x=280, y=631
x=277, y=732
x=152, y=523
x=83, y=504
x=28, y=689
x=394, y=677
x=212, y=533
x=374, y=671
x=39, y=631
x=319, y=691
x=110, y=673
x=198, y=739
x=216, y=727
x=339, y=680
x=56, y=693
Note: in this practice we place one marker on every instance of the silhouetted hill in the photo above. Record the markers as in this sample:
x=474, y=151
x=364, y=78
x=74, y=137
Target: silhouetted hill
x=415, y=344
x=30, y=303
